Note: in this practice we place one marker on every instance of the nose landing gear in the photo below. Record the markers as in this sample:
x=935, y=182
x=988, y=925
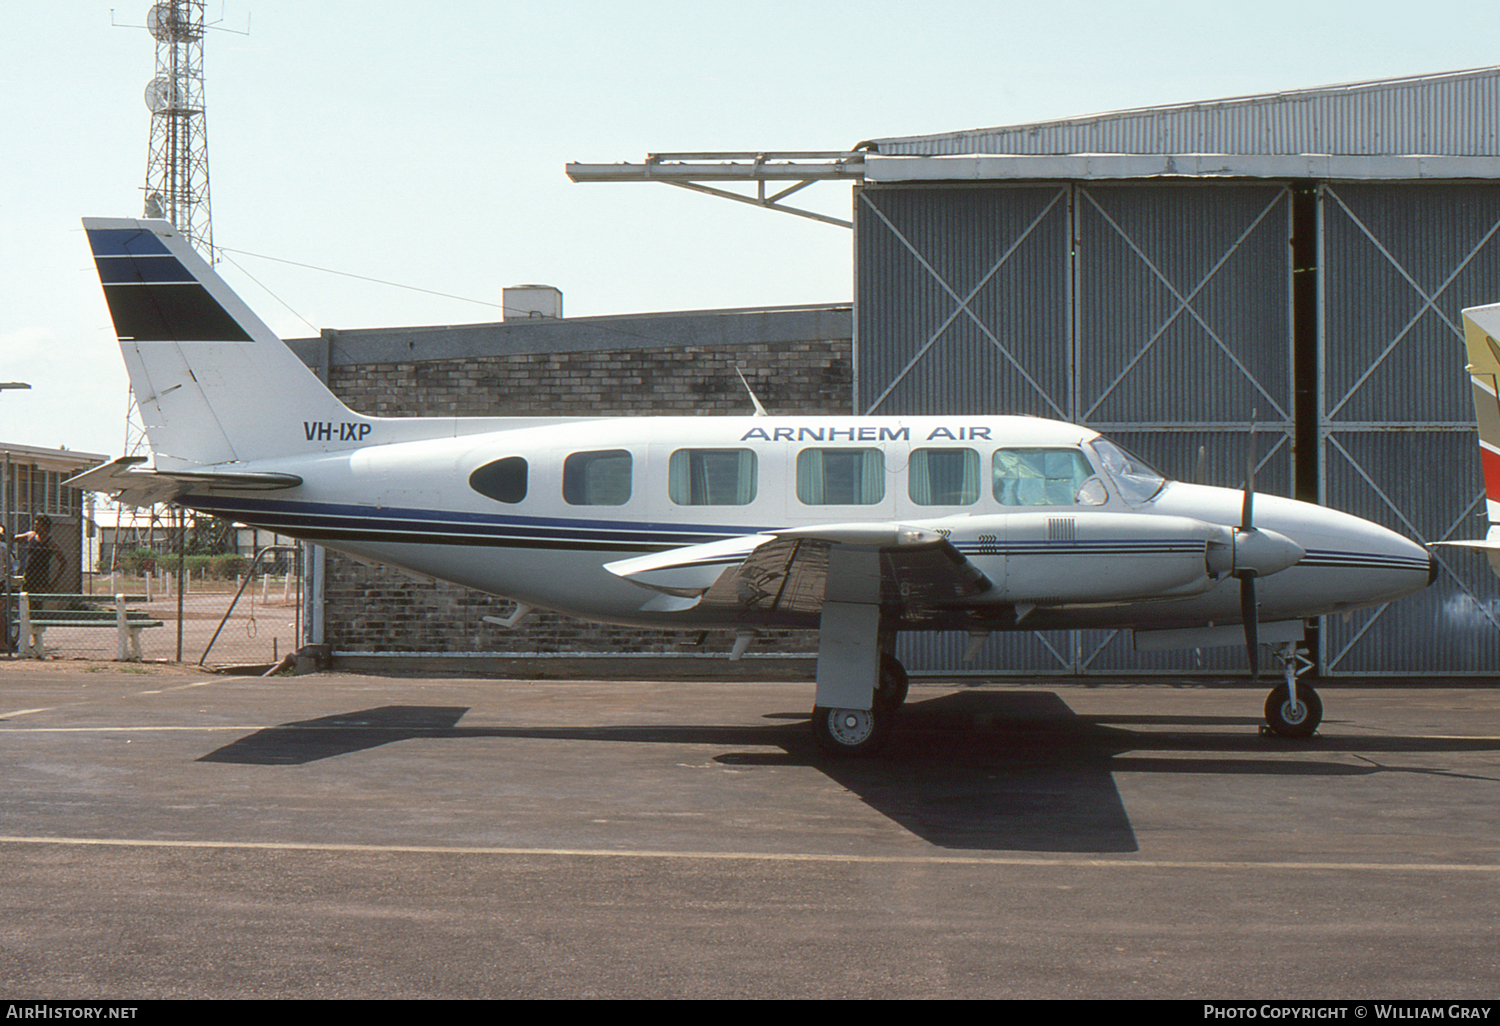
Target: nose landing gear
x=1293, y=709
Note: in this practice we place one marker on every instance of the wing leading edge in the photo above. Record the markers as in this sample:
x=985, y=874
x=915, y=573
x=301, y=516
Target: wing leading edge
x=783, y=576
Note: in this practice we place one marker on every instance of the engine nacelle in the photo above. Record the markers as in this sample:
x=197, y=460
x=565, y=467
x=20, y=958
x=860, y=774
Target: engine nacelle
x=1055, y=559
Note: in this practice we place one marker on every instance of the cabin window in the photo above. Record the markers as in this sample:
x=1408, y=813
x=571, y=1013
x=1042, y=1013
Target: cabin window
x=943, y=477
x=503, y=480
x=711, y=477
x=597, y=478
x=1043, y=477
x=841, y=477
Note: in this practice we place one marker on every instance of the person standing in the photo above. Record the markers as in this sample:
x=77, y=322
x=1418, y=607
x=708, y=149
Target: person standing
x=43, y=563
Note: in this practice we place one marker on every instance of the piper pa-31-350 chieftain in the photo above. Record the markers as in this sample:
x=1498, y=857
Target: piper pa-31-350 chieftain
x=858, y=526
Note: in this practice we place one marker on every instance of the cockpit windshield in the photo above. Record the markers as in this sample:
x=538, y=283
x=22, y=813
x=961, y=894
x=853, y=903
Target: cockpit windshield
x=1135, y=479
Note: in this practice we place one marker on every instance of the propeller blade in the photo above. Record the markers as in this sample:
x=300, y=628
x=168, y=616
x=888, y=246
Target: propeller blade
x=1250, y=615
x=1247, y=511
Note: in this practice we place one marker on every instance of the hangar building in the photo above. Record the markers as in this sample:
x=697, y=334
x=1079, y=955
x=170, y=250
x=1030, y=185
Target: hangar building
x=1169, y=274
x=1166, y=274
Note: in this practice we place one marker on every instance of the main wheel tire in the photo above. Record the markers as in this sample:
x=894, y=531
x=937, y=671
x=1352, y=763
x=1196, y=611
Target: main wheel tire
x=851, y=732
x=1280, y=717
x=890, y=693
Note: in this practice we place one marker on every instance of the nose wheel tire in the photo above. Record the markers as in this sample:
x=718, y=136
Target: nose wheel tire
x=849, y=732
x=1285, y=721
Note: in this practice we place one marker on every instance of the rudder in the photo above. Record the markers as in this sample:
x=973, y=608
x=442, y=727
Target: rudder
x=209, y=376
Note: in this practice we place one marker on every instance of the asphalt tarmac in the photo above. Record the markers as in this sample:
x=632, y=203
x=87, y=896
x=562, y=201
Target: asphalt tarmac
x=166, y=833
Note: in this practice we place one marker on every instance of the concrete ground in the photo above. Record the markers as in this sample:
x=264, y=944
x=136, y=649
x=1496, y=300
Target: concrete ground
x=167, y=833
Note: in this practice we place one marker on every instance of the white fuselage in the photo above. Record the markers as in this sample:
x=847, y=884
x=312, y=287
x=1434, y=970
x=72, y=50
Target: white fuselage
x=1072, y=544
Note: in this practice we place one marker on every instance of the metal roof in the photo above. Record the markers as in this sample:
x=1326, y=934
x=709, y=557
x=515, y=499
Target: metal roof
x=1454, y=113
x=673, y=329
x=68, y=460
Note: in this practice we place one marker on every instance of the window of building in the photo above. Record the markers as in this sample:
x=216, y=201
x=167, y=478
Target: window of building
x=597, y=478
x=943, y=477
x=1043, y=477
x=711, y=477
x=503, y=480
x=841, y=477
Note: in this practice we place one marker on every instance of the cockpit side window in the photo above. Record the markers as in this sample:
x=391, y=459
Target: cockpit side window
x=599, y=478
x=1135, y=479
x=1044, y=477
x=502, y=480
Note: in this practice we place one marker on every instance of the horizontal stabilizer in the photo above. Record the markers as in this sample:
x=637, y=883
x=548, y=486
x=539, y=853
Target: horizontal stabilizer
x=1489, y=545
x=135, y=487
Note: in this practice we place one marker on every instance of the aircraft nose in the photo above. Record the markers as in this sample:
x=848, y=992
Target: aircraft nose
x=1415, y=564
x=1360, y=561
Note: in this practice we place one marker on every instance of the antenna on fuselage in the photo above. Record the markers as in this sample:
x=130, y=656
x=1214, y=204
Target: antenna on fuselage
x=760, y=411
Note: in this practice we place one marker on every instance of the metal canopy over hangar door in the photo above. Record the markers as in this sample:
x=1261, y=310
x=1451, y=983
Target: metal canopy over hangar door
x=1396, y=420
x=1165, y=324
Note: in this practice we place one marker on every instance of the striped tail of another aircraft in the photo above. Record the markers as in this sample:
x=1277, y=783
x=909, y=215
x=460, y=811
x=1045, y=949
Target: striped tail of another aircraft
x=1481, y=329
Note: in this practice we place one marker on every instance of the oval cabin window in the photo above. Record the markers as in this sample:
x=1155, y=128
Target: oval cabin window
x=503, y=480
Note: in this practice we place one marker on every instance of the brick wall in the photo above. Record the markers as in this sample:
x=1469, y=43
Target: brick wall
x=370, y=609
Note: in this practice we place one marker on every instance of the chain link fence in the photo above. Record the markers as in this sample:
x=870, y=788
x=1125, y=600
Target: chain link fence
x=240, y=606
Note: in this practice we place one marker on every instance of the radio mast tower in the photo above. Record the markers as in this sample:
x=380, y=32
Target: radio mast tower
x=177, y=164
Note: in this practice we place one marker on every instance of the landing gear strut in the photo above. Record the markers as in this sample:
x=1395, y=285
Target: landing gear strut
x=1293, y=709
x=849, y=732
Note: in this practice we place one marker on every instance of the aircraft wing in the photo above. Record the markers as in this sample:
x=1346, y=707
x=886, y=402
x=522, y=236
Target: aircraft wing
x=134, y=487
x=781, y=574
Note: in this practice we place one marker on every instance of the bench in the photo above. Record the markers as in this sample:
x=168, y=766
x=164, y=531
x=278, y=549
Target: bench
x=80, y=611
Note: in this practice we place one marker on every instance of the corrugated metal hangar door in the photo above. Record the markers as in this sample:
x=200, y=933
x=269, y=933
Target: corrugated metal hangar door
x=1396, y=420
x=1163, y=316
x=1160, y=315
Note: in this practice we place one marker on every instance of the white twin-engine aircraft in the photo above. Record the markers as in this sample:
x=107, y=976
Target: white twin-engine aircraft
x=858, y=526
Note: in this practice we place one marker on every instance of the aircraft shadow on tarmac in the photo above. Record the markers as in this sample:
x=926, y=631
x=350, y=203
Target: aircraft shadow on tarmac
x=1011, y=771
x=341, y=734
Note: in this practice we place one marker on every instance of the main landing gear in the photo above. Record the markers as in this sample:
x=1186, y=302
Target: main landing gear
x=1289, y=712
x=847, y=732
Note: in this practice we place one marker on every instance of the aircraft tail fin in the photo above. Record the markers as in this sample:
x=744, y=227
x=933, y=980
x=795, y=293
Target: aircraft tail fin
x=213, y=383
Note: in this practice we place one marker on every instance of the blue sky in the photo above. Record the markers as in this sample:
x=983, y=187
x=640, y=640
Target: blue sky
x=424, y=143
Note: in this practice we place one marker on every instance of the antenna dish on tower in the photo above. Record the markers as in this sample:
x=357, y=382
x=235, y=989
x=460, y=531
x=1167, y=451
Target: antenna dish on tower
x=161, y=94
x=167, y=24
x=177, y=163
